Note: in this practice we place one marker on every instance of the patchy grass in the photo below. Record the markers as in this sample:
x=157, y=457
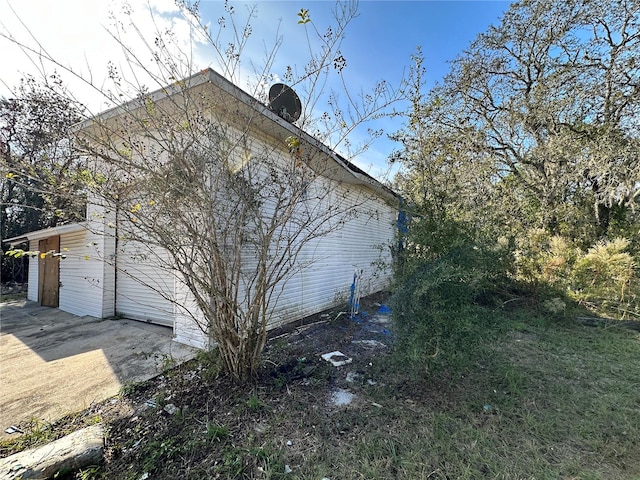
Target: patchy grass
x=542, y=398
x=12, y=297
x=37, y=432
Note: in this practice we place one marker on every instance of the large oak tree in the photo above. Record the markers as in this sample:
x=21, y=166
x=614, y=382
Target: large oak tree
x=537, y=122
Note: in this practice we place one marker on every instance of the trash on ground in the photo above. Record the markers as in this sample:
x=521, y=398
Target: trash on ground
x=384, y=310
x=151, y=403
x=336, y=358
x=13, y=429
x=376, y=404
x=170, y=408
x=380, y=319
x=287, y=469
x=353, y=377
x=342, y=397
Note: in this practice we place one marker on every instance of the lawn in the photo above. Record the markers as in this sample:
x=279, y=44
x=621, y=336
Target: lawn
x=543, y=398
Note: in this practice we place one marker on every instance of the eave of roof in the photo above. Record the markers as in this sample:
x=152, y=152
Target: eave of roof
x=46, y=233
x=209, y=75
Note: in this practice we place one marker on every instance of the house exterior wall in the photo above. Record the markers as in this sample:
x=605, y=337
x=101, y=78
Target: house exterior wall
x=144, y=284
x=104, y=274
x=32, y=287
x=188, y=319
x=84, y=287
x=362, y=245
x=86, y=278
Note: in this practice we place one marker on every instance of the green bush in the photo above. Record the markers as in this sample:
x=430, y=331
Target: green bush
x=438, y=320
x=605, y=279
x=542, y=259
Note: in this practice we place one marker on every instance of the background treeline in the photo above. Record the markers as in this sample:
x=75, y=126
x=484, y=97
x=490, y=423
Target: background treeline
x=42, y=178
x=521, y=173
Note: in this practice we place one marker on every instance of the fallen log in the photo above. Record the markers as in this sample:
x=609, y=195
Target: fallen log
x=75, y=451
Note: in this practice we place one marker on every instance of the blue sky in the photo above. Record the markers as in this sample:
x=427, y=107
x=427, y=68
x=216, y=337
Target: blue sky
x=378, y=44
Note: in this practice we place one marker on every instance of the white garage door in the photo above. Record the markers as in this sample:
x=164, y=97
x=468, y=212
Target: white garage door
x=143, y=286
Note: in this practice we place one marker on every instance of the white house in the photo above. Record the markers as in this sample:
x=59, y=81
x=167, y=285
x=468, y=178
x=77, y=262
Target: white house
x=100, y=274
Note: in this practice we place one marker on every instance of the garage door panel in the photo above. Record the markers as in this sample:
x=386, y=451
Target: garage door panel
x=144, y=287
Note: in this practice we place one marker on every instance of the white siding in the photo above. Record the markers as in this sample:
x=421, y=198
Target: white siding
x=145, y=285
x=83, y=285
x=32, y=287
x=109, y=276
x=362, y=244
x=189, y=320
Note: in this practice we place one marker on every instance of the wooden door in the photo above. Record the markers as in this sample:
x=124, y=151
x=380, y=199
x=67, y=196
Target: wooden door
x=49, y=273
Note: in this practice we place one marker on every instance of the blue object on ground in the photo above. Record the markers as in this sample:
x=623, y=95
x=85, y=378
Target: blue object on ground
x=384, y=309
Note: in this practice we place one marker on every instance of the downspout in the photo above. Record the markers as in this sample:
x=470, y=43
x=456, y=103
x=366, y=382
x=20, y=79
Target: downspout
x=115, y=264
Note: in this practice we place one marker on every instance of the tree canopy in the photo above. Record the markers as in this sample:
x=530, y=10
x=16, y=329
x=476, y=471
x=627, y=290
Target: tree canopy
x=537, y=121
x=42, y=177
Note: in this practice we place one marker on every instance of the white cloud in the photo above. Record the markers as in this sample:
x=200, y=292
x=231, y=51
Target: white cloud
x=76, y=34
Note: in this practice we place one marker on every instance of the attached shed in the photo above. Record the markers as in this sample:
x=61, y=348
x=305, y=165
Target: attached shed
x=64, y=271
x=101, y=273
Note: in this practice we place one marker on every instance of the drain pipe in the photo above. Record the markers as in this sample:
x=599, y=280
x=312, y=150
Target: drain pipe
x=115, y=263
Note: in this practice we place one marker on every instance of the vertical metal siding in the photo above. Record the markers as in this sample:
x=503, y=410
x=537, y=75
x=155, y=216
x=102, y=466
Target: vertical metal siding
x=82, y=279
x=145, y=284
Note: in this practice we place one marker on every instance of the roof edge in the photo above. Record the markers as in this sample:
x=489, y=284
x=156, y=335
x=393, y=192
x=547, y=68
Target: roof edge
x=46, y=233
x=209, y=75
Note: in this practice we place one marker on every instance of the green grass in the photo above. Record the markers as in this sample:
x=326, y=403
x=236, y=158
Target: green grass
x=548, y=400
x=540, y=398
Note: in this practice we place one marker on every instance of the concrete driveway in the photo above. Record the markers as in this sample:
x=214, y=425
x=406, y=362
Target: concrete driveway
x=53, y=363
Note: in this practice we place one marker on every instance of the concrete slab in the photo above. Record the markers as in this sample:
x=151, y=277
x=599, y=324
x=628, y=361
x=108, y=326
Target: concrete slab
x=53, y=363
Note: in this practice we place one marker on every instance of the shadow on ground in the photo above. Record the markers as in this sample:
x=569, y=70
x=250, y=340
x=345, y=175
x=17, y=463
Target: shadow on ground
x=53, y=363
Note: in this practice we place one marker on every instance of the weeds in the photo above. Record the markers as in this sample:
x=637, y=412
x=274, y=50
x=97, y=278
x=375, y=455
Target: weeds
x=539, y=397
x=210, y=364
x=216, y=433
x=128, y=388
x=253, y=403
x=35, y=432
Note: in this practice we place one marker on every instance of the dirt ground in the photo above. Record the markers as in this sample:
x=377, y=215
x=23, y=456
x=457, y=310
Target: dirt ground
x=194, y=401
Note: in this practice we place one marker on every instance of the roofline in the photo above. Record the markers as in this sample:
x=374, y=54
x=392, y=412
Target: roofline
x=209, y=75
x=46, y=233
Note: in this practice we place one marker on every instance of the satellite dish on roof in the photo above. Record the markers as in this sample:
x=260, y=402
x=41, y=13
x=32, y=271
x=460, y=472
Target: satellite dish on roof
x=284, y=102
